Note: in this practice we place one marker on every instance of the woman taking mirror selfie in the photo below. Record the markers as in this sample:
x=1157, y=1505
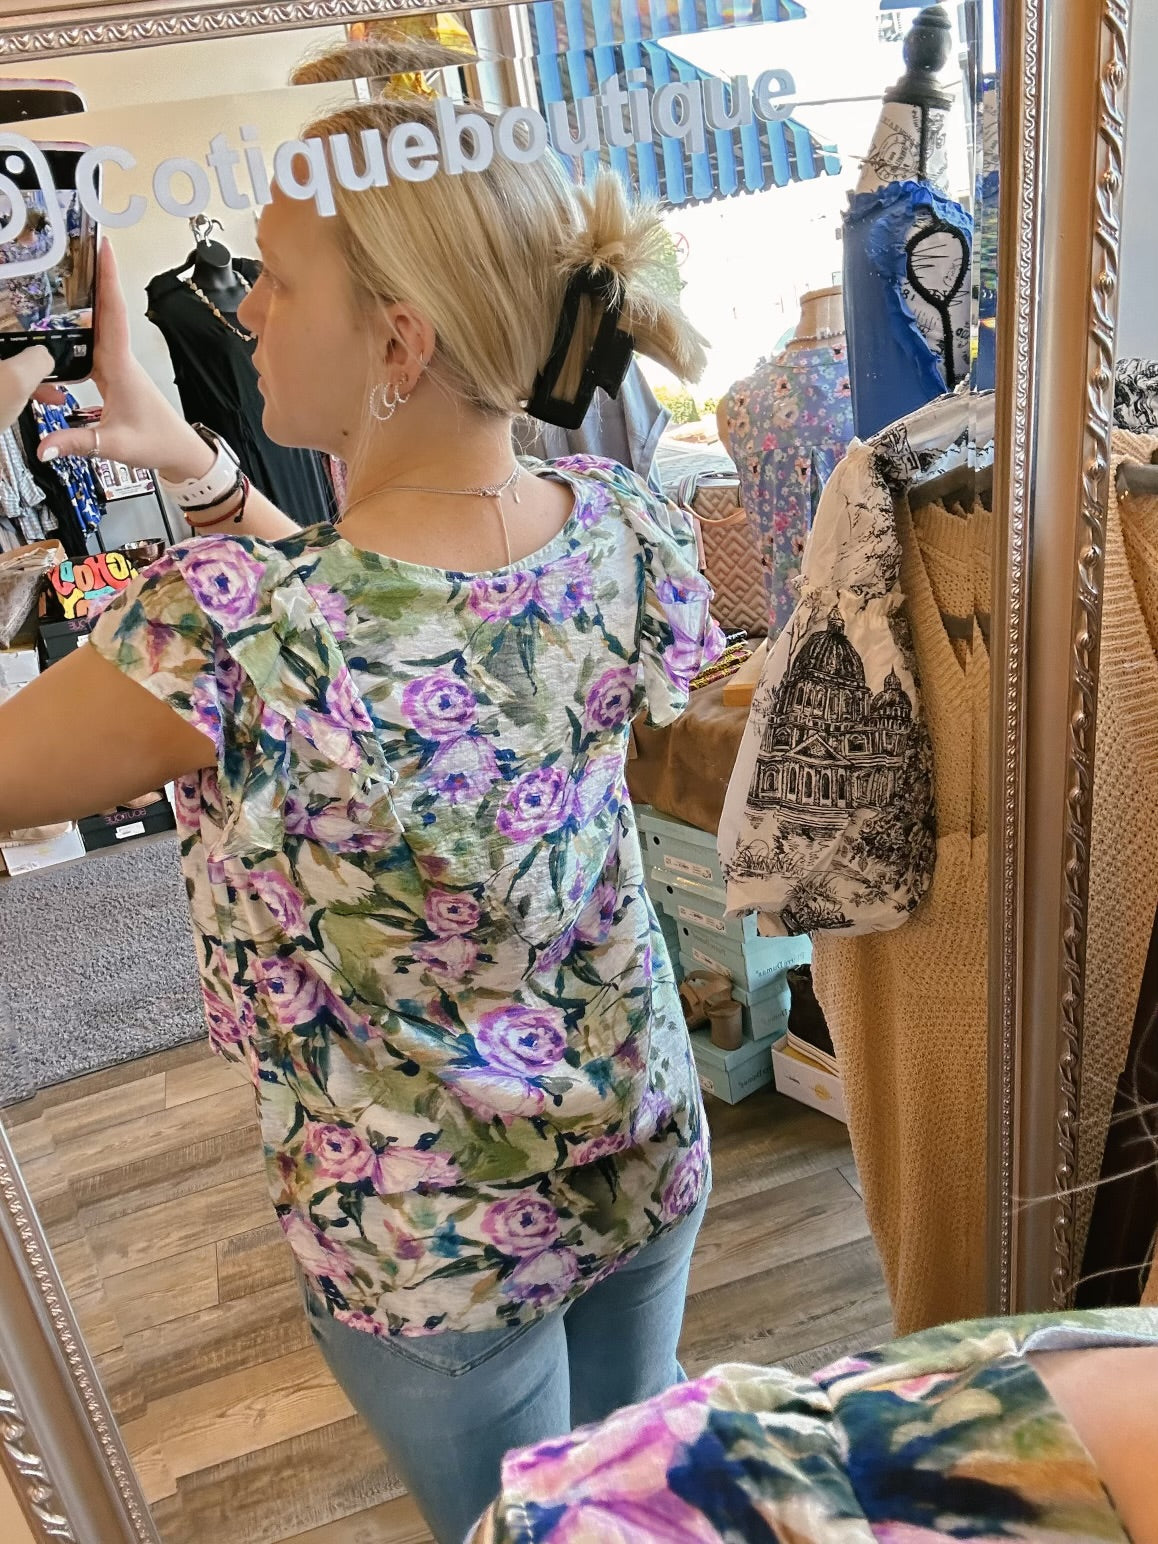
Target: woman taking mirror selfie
x=399, y=749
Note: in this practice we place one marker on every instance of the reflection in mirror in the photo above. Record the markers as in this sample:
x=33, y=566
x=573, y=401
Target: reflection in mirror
x=1115, y=1197
x=452, y=1144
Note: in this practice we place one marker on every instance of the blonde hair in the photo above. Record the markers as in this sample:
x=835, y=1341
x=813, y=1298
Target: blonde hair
x=378, y=61
x=487, y=257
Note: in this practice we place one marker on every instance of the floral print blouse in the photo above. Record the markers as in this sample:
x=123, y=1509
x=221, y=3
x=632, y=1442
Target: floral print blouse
x=788, y=424
x=417, y=892
x=948, y=1435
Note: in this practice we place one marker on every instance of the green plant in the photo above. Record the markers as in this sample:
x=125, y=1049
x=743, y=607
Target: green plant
x=680, y=404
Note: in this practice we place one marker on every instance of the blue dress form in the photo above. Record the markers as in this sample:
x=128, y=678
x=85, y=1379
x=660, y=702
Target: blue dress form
x=907, y=251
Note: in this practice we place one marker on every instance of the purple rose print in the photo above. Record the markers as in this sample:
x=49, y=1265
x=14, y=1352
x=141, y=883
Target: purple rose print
x=224, y=1025
x=564, y=588
x=611, y=699
x=521, y=1039
x=187, y=802
x=556, y=952
x=448, y=959
x=333, y=608
x=597, y=1148
x=684, y=1188
x=521, y=1225
x=283, y=901
x=439, y=706
x=541, y=801
x=359, y=1319
x=591, y=504
x=544, y=1279
x=339, y=1153
x=600, y=783
x=343, y=704
x=671, y=593
x=296, y=994
x=682, y=660
x=491, y=1094
x=463, y=770
x=315, y=1252
x=229, y=675
x=502, y=597
x=594, y=925
x=653, y=1114
x=223, y=578
x=447, y=913
x=400, y=1169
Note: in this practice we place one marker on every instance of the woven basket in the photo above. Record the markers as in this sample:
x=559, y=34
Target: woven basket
x=730, y=552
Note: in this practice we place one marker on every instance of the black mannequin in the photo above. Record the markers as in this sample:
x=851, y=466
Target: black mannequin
x=212, y=265
x=195, y=308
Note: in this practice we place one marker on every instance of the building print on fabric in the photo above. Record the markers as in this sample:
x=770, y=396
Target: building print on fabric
x=844, y=765
x=832, y=745
x=829, y=817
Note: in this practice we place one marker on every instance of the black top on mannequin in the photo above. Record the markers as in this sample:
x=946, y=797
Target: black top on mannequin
x=212, y=355
x=212, y=270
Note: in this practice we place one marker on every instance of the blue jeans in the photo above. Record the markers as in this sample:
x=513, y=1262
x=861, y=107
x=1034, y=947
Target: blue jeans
x=446, y=1408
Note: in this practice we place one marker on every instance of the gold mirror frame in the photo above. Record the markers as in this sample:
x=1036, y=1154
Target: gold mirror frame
x=1062, y=133
x=1063, y=93
x=30, y=33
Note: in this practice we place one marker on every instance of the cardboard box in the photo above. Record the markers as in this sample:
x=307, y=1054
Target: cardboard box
x=752, y=963
x=24, y=858
x=799, y=1079
x=17, y=668
x=124, y=825
x=731, y=1075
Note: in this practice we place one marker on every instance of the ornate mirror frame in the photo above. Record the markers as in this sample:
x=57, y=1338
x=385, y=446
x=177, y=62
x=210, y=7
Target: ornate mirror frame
x=1062, y=133
x=1063, y=94
x=28, y=32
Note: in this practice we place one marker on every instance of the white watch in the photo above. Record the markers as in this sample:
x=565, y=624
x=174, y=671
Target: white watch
x=222, y=478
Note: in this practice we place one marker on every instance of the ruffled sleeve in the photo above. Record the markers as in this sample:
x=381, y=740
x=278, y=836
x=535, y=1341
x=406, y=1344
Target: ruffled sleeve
x=228, y=633
x=678, y=635
x=157, y=635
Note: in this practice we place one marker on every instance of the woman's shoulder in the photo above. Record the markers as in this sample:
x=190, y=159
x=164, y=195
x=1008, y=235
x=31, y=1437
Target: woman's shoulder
x=234, y=580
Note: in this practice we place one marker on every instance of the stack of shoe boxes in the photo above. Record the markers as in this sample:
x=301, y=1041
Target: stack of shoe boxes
x=686, y=885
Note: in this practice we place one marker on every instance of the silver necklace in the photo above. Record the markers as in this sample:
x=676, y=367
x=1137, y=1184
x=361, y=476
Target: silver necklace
x=494, y=491
x=246, y=337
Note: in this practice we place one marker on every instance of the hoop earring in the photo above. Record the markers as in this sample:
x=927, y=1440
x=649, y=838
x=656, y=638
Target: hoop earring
x=385, y=400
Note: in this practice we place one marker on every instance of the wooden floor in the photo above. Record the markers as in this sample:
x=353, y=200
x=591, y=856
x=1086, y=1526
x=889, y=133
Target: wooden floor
x=148, y=1180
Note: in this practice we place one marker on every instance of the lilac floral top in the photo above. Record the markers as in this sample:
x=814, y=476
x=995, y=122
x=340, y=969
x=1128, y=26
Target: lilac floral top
x=418, y=898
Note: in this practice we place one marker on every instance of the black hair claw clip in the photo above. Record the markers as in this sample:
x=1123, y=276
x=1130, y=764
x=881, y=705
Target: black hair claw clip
x=605, y=365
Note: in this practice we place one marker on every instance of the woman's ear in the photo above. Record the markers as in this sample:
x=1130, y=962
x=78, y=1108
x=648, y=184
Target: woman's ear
x=409, y=342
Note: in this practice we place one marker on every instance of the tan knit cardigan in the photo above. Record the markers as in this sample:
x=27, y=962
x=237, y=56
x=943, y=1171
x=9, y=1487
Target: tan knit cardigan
x=907, y=1009
x=1123, y=895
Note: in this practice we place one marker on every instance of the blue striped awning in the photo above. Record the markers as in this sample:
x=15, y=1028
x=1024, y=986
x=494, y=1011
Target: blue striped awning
x=580, y=44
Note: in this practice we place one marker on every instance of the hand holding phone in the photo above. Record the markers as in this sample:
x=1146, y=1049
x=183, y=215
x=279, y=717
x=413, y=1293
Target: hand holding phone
x=139, y=425
x=48, y=246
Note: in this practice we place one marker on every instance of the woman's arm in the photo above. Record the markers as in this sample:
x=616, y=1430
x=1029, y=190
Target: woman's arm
x=83, y=738
x=139, y=425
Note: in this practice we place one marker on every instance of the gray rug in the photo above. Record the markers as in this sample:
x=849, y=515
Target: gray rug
x=96, y=965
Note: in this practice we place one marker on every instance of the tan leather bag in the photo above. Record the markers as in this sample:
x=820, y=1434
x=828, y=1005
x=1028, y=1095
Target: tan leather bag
x=730, y=554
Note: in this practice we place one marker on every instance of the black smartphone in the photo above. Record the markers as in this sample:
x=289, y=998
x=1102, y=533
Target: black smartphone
x=48, y=255
x=21, y=100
